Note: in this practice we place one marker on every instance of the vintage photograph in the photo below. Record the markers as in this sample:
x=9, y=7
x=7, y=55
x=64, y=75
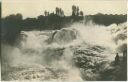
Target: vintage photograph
x=63, y=40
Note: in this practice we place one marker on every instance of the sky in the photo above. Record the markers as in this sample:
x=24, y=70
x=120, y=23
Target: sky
x=34, y=8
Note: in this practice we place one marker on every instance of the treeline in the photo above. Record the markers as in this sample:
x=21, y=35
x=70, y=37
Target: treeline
x=56, y=21
x=106, y=19
x=48, y=21
x=13, y=24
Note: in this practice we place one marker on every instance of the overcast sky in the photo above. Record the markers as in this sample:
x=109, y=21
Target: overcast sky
x=33, y=8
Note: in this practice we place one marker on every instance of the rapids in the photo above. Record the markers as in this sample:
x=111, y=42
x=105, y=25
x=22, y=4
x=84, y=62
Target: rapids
x=79, y=52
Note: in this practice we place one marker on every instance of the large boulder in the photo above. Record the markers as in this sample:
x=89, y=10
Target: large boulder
x=64, y=36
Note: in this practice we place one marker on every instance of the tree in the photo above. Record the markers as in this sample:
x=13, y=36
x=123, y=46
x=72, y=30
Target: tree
x=62, y=13
x=73, y=10
x=46, y=13
x=57, y=11
x=77, y=11
x=11, y=27
x=81, y=13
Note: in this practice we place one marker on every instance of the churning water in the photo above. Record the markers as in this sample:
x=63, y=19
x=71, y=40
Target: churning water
x=76, y=53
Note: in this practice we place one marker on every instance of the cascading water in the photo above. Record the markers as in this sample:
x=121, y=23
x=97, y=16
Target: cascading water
x=77, y=53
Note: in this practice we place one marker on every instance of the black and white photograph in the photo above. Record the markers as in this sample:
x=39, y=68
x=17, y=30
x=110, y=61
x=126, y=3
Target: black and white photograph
x=63, y=40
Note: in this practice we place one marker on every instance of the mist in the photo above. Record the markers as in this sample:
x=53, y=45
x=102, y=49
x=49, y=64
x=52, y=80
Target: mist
x=58, y=55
